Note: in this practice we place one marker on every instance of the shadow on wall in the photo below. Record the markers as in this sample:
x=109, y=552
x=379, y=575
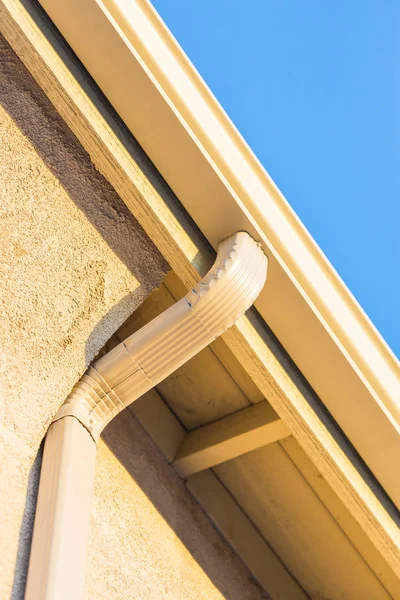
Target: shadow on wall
x=168, y=494
x=26, y=529
x=119, y=129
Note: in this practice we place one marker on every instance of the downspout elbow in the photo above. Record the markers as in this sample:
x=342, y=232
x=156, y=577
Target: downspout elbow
x=166, y=343
x=57, y=561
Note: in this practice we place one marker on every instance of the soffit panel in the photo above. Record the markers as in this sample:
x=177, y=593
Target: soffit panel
x=278, y=487
x=298, y=526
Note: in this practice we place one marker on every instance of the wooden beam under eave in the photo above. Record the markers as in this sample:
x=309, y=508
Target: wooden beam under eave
x=227, y=438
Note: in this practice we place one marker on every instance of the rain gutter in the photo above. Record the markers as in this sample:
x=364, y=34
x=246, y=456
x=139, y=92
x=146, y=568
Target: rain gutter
x=140, y=68
x=58, y=554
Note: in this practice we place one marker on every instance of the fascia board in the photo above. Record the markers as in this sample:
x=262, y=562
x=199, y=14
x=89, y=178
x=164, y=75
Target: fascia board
x=164, y=102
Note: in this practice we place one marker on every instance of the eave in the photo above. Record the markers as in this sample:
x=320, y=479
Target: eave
x=321, y=326
x=223, y=187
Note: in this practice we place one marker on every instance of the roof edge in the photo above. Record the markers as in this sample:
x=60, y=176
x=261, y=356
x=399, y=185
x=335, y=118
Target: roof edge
x=221, y=184
x=220, y=140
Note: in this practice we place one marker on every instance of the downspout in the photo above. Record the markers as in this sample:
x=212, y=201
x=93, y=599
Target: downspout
x=58, y=554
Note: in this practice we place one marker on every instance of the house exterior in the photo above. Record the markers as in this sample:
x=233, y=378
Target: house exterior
x=265, y=466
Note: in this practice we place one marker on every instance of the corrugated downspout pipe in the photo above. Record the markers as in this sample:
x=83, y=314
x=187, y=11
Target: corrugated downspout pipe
x=57, y=562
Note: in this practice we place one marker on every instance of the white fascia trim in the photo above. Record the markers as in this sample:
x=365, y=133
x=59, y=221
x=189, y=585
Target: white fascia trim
x=164, y=102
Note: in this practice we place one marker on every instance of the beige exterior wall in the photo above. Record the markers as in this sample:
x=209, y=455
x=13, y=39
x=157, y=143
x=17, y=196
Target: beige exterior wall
x=74, y=265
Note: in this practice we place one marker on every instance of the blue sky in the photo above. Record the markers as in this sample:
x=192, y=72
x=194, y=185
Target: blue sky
x=313, y=86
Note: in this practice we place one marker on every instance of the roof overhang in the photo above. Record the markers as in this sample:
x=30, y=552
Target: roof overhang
x=192, y=143
x=180, y=125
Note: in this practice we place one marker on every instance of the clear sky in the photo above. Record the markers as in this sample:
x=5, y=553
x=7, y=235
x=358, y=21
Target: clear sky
x=313, y=86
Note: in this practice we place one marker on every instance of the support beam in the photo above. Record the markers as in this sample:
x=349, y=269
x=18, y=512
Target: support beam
x=228, y=438
x=160, y=423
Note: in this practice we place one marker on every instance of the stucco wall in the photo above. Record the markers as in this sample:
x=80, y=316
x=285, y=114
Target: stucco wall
x=74, y=265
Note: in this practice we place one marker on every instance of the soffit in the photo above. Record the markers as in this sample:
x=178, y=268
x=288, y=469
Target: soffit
x=282, y=495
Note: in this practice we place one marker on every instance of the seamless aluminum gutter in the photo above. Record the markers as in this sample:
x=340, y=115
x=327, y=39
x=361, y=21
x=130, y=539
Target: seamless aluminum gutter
x=171, y=112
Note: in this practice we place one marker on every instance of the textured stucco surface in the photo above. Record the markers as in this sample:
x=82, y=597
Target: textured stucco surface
x=74, y=264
